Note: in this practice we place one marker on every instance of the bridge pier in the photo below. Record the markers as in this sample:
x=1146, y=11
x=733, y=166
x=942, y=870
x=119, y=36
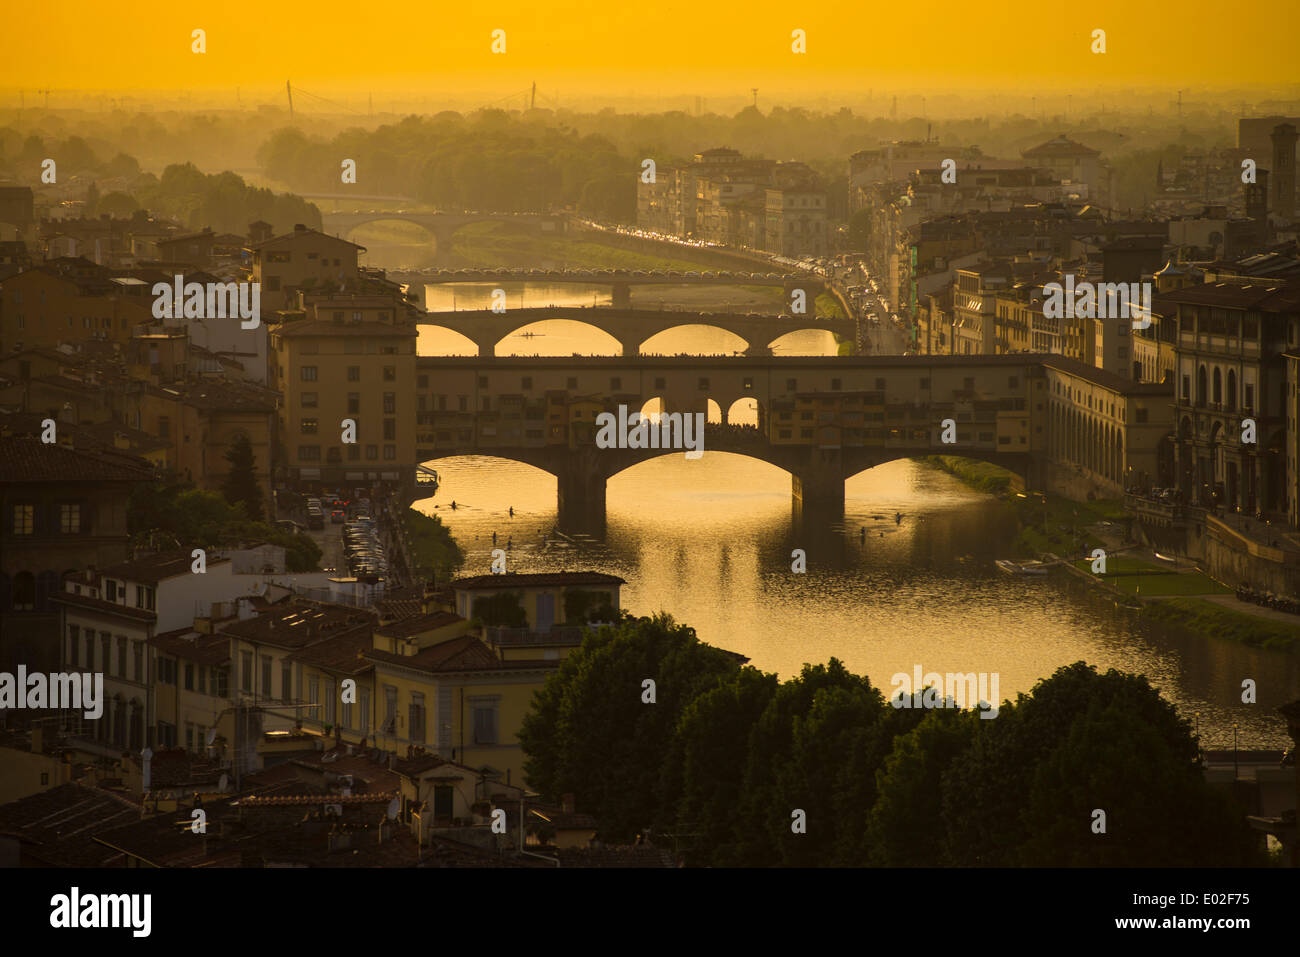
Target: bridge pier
x=622, y=295
x=630, y=347
x=817, y=490
x=758, y=351
x=580, y=493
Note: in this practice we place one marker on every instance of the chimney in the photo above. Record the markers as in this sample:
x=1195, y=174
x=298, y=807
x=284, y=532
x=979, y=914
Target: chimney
x=1284, y=139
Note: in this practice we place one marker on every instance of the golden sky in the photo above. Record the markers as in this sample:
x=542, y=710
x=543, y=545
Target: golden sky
x=656, y=46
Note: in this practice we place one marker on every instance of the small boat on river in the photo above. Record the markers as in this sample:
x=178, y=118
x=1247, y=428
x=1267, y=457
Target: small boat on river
x=1022, y=568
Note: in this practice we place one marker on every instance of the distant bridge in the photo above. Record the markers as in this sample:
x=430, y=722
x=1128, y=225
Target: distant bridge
x=632, y=327
x=442, y=226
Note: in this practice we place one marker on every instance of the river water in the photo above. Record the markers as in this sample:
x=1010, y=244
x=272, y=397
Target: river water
x=710, y=542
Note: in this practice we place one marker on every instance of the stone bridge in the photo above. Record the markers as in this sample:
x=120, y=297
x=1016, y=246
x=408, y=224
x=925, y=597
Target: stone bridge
x=822, y=419
x=632, y=327
x=442, y=226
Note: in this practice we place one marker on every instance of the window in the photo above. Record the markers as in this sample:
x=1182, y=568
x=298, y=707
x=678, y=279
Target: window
x=390, y=373
x=310, y=426
x=704, y=383
x=390, y=430
x=1140, y=415
x=90, y=650
x=266, y=675
x=313, y=696
x=331, y=701
x=137, y=659
x=308, y=373
x=1249, y=402
x=615, y=382
x=354, y=452
x=346, y=720
x=308, y=400
x=390, y=710
x=422, y=381
x=835, y=384
x=354, y=373
x=364, y=702
x=485, y=723
x=390, y=403
x=527, y=382
x=463, y=403
x=417, y=717
x=372, y=452
x=106, y=652
x=286, y=681
x=189, y=676
x=354, y=403
x=24, y=519
x=390, y=453
x=166, y=670
x=221, y=683
x=74, y=643
x=246, y=671
x=309, y=453
x=164, y=427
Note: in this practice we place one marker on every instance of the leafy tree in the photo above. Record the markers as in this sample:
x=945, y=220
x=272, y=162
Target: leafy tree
x=905, y=826
x=502, y=610
x=998, y=794
x=117, y=204
x=241, y=486
x=705, y=764
x=769, y=795
x=591, y=734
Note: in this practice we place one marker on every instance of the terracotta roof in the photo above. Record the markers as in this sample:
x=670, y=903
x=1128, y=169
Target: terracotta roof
x=1265, y=295
x=193, y=646
x=298, y=623
x=536, y=580
x=399, y=608
x=153, y=569
x=466, y=653
x=99, y=604
x=28, y=459
x=341, y=653
x=407, y=627
x=57, y=826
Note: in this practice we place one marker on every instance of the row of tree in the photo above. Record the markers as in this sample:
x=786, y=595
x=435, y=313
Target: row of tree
x=726, y=754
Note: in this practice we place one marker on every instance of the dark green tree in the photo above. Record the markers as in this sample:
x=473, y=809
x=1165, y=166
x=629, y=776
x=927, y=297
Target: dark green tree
x=241, y=485
x=591, y=733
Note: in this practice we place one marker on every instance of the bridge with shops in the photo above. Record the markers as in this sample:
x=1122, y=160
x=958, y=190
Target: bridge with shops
x=822, y=419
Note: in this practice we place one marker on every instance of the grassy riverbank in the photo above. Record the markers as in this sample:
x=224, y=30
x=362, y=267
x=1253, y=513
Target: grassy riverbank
x=1053, y=523
x=1206, y=618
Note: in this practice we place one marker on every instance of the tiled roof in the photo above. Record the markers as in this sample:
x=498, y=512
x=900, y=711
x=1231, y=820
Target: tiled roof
x=299, y=623
x=399, y=609
x=99, y=604
x=537, y=580
x=466, y=653
x=1265, y=295
x=341, y=653
x=28, y=459
x=58, y=825
x=414, y=626
x=191, y=645
x=158, y=567
x=320, y=327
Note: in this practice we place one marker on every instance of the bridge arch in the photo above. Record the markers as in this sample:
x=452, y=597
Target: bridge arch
x=779, y=341
x=644, y=345
x=444, y=332
x=614, y=344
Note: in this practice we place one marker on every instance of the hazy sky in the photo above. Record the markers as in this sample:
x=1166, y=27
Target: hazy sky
x=655, y=47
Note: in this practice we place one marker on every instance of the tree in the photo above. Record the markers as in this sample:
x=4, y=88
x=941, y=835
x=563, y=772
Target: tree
x=592, y=733
x=241, y=485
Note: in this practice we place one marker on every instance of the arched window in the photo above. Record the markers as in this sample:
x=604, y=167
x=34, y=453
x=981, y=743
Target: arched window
x=1200, y=387
x=1231, y=397
x=47, y=586
x=1218, y=387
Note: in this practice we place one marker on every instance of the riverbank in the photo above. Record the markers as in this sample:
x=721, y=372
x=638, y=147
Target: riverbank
x=1184, y=598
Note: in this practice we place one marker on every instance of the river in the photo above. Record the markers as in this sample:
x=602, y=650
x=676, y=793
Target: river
x=710, y=542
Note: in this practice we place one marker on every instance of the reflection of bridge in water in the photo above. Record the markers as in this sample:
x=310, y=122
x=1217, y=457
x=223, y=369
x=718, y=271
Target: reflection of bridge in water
x=633, y=327
x=822, y=419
